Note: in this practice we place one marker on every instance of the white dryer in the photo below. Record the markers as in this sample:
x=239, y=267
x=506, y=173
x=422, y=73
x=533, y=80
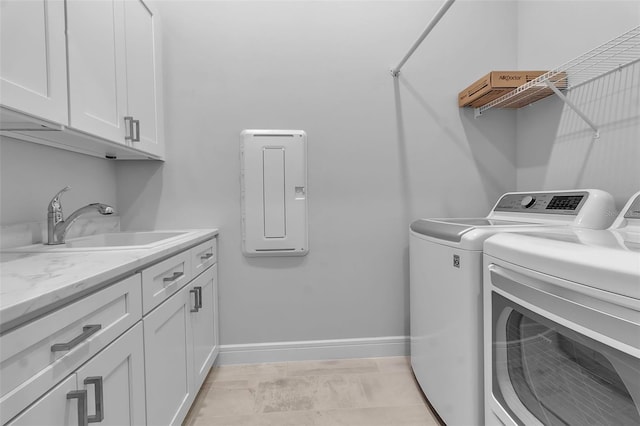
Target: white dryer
x=562, y=325
x=446, y=290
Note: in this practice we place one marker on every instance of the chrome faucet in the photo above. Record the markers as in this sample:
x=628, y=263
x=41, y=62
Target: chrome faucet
x=57, y=227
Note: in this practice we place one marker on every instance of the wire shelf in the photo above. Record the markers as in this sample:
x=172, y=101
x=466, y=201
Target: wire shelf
x=614, y=55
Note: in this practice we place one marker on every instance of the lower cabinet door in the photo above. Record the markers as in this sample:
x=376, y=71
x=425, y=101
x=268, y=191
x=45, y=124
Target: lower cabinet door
x=54, y=408
x=169, y=360
x=204, y=324
x=114, y=382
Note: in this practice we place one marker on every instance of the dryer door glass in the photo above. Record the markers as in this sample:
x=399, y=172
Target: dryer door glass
x=547, y=373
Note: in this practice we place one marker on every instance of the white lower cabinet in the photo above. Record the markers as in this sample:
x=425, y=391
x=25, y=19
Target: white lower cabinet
x=114, y=381
x=181, y=343
x=168, y=360
x=109, y=389
x=42, y=353
x=204, y=324
x=104, y=359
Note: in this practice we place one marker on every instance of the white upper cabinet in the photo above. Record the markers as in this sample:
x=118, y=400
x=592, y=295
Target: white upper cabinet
x=97, y=68
x=144, y=100
x=114, y=77
x=83, y=75
x=33, y=67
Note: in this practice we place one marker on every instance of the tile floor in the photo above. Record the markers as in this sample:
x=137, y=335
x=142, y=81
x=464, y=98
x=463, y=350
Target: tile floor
x=350, y=392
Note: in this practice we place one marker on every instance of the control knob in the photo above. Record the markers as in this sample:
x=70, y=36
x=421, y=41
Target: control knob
x=528, y=201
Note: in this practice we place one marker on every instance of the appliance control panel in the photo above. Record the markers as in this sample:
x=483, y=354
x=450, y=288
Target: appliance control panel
x=566, y=203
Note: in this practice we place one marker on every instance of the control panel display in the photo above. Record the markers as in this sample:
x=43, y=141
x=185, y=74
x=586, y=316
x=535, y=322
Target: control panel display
x=565, y=203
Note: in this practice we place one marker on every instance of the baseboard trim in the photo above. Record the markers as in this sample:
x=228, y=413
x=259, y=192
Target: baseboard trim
x=314, y=349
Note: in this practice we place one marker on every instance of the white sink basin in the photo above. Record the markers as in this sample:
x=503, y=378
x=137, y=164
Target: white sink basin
x=113, y=241
x=123, y=239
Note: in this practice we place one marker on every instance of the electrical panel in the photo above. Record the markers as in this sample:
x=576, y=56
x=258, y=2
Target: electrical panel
x=274, y=192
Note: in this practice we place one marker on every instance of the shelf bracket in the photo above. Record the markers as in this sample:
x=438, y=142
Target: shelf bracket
x=571, y=105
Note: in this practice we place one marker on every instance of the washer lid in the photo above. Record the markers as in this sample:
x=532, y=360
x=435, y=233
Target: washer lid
x=453, y=229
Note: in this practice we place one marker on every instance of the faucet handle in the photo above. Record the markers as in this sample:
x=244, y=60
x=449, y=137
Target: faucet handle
x=54, y=204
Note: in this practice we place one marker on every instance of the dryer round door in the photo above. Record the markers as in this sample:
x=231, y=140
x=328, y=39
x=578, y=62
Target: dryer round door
x=547, y=373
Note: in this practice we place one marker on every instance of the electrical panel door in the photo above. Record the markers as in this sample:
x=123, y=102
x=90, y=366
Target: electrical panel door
x=274, y=192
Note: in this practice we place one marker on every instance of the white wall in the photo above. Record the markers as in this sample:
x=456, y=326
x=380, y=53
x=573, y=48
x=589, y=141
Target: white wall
x=31, y=174
x=556, y=148
x=381, y=153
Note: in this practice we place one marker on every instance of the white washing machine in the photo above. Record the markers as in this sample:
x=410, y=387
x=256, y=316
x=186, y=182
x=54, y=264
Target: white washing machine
x=446, y=284
x=562, y=325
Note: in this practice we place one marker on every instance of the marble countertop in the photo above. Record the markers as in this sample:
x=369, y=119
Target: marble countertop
x=32, y=284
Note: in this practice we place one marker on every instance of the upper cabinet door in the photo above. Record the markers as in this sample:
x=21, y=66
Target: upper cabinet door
x=33, y=68
x=97, y=67
x=144, y=76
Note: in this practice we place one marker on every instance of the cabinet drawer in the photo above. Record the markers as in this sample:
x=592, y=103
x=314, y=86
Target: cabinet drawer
x=163, y=279
x=203, y=256
x=39, y=354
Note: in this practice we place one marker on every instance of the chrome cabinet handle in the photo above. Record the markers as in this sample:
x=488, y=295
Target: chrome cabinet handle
x=198, y=289
x=173, y=278
x=87, y=331
x=195, y=306
x=96, y=381
x=128, y=121
x=136, y=138
x=81, y=396
x=206, y=256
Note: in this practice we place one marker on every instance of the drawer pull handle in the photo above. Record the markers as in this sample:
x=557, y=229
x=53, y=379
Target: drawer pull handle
x=195, y=306
x=199, y=296
x=97, y=382
x=175, y=276
x=81, y=396
x=87, y=331
x=206, y=256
